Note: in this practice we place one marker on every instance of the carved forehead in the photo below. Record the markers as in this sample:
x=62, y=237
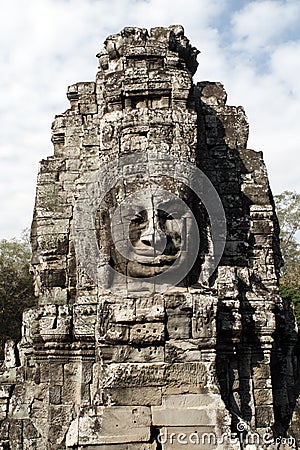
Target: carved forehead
x=146, y=190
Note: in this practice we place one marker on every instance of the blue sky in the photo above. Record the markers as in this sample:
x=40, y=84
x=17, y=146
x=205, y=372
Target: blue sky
x=252, y=47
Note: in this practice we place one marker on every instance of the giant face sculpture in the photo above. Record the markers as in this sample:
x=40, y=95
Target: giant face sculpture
x=152, y=231
x=141, y=230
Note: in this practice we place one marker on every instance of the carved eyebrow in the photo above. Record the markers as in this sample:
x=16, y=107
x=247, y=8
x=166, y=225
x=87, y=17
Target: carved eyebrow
x=132, y=212
x=171, y=206
x=138, y=215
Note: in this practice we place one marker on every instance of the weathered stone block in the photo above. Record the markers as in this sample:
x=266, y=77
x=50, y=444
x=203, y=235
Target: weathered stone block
x=5, y=390
x=44, y=371
x=131, y=446
x=114, y=333
x=19, y=406
x=182, y=351
x=135, y=375
x=261, y=372
x=128, y=353
x=54, y=296
x=147, y=333
x=150, y=309
x=59, y=416
x=84, y=320
x=72, y=371
x=263, y=396
x=134, y=396
x=55, y=395
x=187, y=410
x=186, y=374
x=118, y=424
x=55, y=324
x=88, y=108
x=124, y=312
x=264, y=416
x=179, y=327
x=71, y=392
x=56, y=375
x=182, y=417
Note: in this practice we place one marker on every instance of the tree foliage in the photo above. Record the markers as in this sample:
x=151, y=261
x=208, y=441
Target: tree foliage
x=288, y=212
x=16, y=286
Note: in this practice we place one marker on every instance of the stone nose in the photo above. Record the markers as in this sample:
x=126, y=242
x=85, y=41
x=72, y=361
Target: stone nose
x=153, y=236
x=148, y=235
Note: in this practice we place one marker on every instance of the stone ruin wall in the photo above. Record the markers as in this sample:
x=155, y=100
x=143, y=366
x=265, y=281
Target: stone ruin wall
x=98, y=370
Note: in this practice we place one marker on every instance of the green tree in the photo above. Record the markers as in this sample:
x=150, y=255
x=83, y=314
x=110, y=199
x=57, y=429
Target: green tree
x=288, y=212
x=16, y=286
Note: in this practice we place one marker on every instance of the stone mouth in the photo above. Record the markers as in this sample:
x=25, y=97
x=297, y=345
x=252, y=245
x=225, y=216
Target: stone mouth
x=152, y=260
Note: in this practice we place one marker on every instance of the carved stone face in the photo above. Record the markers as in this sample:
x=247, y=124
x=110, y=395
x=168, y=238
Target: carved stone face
x=148, y=229
x=155, y=233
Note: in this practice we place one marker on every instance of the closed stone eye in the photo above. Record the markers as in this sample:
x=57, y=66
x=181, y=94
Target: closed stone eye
x=139, y=218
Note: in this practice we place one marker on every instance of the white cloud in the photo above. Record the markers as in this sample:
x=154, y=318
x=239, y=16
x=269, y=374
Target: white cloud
x=285, y=63
x=46, y=46
x=259, y=25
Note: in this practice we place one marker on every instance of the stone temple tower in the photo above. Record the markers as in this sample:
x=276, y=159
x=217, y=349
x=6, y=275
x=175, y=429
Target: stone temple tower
x=156, y=264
